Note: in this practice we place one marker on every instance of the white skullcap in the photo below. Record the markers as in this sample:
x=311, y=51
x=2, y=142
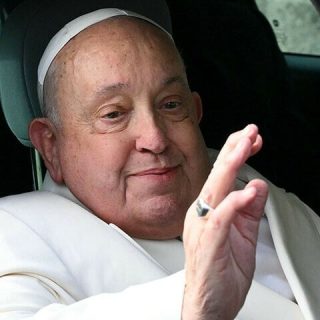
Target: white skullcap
x=70, y=30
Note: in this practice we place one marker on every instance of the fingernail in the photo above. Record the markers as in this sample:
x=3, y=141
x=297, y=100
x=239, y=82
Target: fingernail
x=247, y=129
x=251, y=191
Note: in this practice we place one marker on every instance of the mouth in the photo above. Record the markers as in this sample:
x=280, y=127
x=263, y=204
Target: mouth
x=156, y=176
x=156, y=171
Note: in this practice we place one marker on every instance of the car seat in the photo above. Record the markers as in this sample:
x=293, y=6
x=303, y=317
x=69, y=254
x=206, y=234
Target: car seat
x=16, y=167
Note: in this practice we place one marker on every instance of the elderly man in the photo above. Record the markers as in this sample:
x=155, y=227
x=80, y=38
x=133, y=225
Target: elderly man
x=129, y=174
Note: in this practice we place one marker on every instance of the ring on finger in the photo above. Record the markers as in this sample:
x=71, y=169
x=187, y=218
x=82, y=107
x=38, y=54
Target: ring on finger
x=202, y=207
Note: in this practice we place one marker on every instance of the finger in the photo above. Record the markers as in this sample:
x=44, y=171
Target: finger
x=238, y=148
x=242, y=208
x=221, y=217
x=251, y=131
x=257, y=207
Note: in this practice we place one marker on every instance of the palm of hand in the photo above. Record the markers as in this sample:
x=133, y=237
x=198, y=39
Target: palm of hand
x=220, y=248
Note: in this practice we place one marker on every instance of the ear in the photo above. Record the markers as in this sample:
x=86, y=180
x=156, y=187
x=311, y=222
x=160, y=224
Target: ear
x=198, y=105
x=43, y=137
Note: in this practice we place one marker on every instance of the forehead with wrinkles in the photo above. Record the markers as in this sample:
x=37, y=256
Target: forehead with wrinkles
x=118, y=40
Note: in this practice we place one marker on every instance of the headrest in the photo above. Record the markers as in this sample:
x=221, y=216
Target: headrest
x=26, y=34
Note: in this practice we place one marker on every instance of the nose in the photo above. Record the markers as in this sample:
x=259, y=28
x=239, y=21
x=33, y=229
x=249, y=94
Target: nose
x=151, y=135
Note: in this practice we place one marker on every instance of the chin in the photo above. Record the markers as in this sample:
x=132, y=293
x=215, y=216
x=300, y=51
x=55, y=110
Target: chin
x=160, y=223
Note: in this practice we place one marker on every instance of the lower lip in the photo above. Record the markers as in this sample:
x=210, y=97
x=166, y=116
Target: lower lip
x=165, y=176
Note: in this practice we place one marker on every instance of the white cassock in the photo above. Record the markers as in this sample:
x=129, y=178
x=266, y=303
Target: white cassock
x=59, y=261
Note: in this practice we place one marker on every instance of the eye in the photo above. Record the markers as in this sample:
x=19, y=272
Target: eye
x=172, y=104
x=113, y=115
x=174, y=108
x=112, y=118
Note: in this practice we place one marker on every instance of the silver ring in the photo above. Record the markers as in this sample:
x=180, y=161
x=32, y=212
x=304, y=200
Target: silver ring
x=202, y=207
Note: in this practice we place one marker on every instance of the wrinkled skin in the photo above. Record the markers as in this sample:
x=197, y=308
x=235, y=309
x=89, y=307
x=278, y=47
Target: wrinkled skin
x=220, y=248
x=128, y=146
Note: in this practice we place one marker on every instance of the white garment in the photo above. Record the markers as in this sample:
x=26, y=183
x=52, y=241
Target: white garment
x=51, y=267
x=268, y=268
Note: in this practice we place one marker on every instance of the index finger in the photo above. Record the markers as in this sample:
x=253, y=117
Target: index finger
x=237, y=149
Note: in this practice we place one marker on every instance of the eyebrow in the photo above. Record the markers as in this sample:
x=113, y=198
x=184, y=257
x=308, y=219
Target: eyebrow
x=112, y=88
x=121, y=85
x=175, y=79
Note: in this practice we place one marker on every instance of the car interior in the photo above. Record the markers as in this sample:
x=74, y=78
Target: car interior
x=234, y=61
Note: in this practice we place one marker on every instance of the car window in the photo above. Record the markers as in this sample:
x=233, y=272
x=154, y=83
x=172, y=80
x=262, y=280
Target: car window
x=296, y=24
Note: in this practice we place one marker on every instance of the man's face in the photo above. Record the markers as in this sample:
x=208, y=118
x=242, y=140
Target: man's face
x=129, y=146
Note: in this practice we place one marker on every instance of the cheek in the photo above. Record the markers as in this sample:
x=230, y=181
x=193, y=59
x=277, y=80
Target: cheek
x=93, y=161
x=186, y=136
x=188, y=139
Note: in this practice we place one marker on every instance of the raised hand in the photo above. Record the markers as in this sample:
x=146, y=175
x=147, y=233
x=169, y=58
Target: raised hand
x=220, y=247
